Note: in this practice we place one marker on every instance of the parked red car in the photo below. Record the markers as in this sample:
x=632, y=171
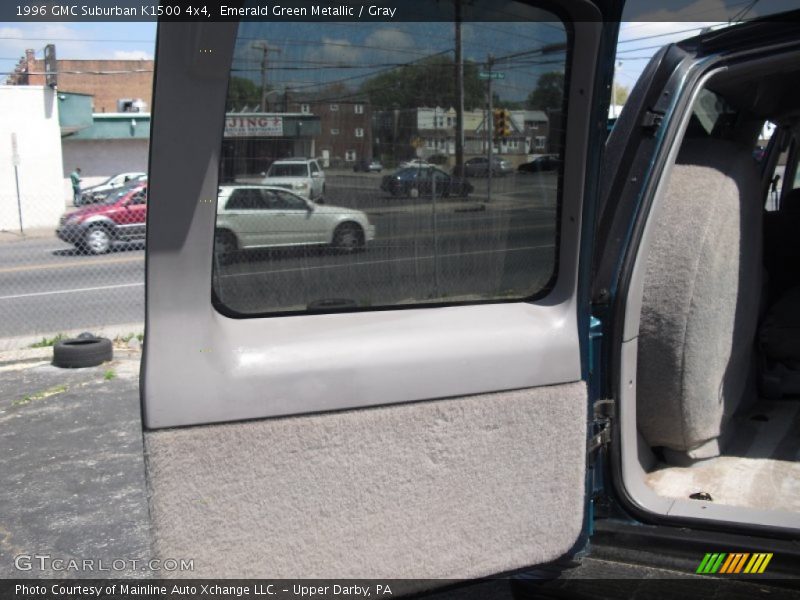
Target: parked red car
x=121, y=218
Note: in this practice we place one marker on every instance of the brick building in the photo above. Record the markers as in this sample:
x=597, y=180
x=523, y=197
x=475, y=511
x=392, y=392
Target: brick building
x=345, y=134
x=107, y=81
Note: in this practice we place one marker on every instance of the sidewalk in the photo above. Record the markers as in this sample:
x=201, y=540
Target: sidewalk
x=72, y=459
x=34, y=233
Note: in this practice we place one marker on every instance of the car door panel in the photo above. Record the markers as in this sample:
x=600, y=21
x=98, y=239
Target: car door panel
x=264, y=223
x=297, y=224
x=433, y=489
x=434, y=442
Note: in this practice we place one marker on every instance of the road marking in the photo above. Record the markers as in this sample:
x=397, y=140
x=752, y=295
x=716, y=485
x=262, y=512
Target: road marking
x=53, y=293
x=445, y=232
x=45, y=266
x=391, y=260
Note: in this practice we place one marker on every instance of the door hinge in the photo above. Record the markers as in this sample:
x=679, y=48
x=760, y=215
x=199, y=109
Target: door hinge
x=601, y=425
x=652, y=121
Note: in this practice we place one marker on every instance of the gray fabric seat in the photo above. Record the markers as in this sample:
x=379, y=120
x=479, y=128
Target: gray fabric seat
x=701, y=297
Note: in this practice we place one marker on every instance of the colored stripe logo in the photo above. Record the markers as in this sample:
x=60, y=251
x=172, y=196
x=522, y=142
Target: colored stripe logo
x=734, y=563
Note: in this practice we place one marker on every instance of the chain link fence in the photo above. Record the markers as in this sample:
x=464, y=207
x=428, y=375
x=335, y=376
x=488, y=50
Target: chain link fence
x=92, y=279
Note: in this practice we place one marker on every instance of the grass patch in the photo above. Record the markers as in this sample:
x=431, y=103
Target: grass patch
x=49, y=341
x=59, y=389
x=128, y=337
x=109, y=375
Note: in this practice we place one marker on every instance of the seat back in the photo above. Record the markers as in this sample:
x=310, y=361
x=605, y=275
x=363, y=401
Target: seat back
x=701, y=296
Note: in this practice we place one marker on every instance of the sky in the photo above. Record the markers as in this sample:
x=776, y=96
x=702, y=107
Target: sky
x=639, y=39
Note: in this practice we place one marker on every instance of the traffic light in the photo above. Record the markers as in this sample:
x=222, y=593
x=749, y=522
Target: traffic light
x=502, y=123
x=497, y=123
x=505, y=129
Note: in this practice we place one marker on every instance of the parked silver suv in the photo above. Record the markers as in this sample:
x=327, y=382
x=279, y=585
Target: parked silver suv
x=302, y=176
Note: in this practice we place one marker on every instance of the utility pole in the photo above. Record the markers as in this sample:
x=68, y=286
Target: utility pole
x=459, y=66
x=265, y=49
x=434, y=215
x=489, y=119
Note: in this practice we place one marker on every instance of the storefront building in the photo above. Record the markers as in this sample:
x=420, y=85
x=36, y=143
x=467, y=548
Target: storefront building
x=253, y=141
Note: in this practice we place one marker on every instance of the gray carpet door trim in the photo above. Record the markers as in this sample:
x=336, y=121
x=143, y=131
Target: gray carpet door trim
x=457, y=488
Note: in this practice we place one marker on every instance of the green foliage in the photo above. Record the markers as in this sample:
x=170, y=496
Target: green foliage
x=549, y=92
x=620, y=94
x=49, y=341
x=124, y=339
x=429, y=82
x=242, y=92
x=109, y=375
x=498, y=102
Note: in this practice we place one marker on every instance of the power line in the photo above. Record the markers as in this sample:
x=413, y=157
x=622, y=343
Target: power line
x=743, y=13
x=691, y=14
x=99, y=41
x=657, y=35
x=640, y=49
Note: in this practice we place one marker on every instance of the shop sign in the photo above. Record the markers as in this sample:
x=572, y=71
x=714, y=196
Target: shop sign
x=253, y=126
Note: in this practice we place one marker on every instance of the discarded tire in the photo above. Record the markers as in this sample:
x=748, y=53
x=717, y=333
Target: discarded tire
x=82, y=352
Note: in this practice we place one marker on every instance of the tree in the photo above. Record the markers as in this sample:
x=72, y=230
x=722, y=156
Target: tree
x=620, y=94
x=429, y=82
x=549, y=92
x=498, y=102
x=242, y=92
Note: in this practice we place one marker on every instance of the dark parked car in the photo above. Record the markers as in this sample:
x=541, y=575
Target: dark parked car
x=539, y=164
x=415, y=182
x=367, y=166
x=98, y=193
x=479, y=166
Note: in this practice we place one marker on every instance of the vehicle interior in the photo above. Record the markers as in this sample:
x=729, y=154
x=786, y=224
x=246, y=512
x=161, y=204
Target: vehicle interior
x=711, y=339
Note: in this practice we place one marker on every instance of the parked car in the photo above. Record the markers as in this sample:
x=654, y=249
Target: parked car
x=367, y=166
x=120, y=218
x=303, y=176
x=265, y=217
x=416, y=181
x=479, y=166
x=97, y=193
x=540, y=163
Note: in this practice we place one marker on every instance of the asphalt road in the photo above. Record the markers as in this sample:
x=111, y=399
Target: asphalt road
x=503, y=251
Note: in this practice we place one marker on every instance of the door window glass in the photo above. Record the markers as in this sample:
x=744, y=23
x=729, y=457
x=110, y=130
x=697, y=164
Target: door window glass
x=287, y=201
x=139, y=198
x=406, y=237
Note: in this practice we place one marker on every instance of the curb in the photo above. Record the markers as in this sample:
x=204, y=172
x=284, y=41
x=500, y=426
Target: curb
x=12, y=346
x=460, y=207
